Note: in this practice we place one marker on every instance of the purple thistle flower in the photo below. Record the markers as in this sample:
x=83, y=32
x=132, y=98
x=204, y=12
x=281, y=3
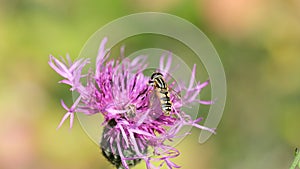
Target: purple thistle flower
x=133, y=118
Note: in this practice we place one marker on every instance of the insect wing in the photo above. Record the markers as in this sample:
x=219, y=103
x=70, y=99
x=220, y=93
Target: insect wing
x=155, y=105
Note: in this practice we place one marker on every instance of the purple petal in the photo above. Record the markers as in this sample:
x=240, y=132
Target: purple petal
x=161, y=62
x=65, y=81
x=204, y=128
x=122, y=156
x=55, y=68
x=168, y=65
x=202, y=85
x=114, y=111
x=61, y=66
x=71, y=119
x=133, y=141
x=69, y=61
x=64, y=105
x=192, y=77
x=76, y=103
x=75, y=65
x=124, y=135
x=142, y=132
x=193, y=97
x=101, y=56
x=209, y=102
x=63, y=119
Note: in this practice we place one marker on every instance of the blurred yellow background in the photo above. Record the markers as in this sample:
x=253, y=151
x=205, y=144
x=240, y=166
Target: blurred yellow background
x=258, y=42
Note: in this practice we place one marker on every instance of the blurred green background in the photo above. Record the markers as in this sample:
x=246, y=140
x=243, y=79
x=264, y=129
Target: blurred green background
x=258, y=42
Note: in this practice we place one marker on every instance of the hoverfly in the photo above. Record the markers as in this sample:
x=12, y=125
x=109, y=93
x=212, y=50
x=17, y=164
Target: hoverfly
x=162, y=91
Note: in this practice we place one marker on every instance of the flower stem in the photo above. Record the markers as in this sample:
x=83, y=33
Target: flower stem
x=296, y=160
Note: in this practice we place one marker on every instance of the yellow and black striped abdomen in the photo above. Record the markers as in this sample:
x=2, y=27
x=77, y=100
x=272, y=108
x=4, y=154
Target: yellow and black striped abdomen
x=165, y=102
